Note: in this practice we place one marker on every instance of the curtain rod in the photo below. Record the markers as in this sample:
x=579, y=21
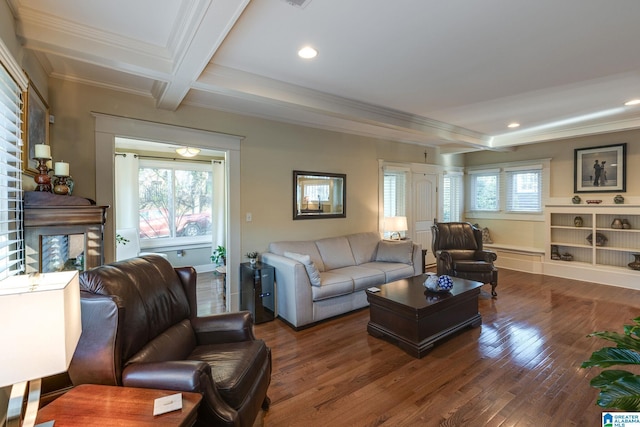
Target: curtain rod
x=175, y=159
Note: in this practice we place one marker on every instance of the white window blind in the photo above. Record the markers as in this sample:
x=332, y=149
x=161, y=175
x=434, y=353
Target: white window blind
x=395, y=193
x=524, y=189
x=452, y=198
x=11, y=240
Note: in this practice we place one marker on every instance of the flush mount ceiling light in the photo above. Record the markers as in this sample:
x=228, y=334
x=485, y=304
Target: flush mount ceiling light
x=632, y=102
x=187, y=151
x=307, y=52
x=513, y=125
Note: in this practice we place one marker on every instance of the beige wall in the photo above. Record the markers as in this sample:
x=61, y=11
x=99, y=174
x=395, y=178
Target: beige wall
x=270, y=151
x=561, y=152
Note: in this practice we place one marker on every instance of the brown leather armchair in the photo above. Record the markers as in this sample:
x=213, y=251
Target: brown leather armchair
x=457, y=247
x=140, y=329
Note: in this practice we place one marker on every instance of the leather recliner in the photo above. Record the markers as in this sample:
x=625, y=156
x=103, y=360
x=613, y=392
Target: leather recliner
x=140, y=329
x=457, y=247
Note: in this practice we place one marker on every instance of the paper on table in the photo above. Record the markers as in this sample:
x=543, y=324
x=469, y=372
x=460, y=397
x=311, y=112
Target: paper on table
x=166, y=404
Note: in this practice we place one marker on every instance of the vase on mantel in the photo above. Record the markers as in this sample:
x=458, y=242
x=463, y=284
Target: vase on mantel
x=635, y=264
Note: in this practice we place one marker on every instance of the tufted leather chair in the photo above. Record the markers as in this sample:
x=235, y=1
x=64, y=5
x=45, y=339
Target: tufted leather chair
x=457, y=247
x=140, y=329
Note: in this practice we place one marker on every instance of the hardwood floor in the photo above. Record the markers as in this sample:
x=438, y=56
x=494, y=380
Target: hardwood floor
x=520, y=368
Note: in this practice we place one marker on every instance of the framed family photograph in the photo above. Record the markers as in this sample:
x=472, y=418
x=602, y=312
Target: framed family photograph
x=600, y=169
x=35, y=127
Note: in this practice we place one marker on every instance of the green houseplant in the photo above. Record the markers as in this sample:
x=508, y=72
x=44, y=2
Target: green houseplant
x=219, y=256
x=618, y=388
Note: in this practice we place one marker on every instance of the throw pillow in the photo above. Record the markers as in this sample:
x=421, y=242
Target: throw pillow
x=312, y=270
x=395, y=251
x=486, y=237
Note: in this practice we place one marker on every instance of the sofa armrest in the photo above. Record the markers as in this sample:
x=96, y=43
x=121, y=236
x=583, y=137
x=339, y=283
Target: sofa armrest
x=224, y=328
x=417, y=259
x=487, y=256
x=98, y=350
x=182, y=375
x=444, y=262
x=293, y=288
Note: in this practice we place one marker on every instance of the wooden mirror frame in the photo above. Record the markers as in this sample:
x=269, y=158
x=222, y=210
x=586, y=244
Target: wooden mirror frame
x=335, y=206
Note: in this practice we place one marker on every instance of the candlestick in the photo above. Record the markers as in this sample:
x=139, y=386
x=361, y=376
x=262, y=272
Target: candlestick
x=61, y=169
x=42, y=151
x=42, y=179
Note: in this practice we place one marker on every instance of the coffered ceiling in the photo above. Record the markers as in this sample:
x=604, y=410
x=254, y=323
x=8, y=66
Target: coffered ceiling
x=449, y=73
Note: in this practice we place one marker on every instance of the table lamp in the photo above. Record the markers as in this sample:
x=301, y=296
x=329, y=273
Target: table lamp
x=41, y=326
x=394, y=225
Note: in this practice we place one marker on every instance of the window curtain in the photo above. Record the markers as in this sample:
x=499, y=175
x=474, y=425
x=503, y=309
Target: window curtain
x=219, y=220
x=126, y=191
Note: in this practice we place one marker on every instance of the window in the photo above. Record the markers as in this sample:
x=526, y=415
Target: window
x=515, y=190
x=11, y=239
x=524, y=189
x=485, y=190
x=452, y=198
x=395, y=193
x=175, y=200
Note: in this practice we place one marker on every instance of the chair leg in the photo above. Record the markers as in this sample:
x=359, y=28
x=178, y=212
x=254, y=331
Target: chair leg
x=266, y=403
x=494, y=283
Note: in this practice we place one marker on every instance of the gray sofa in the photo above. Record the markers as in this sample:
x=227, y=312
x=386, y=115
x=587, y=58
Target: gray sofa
x=319, y=279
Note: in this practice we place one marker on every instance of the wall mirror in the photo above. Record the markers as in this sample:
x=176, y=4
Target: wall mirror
x=319, y=195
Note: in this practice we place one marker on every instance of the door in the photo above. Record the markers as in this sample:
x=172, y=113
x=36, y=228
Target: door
x=424, y=210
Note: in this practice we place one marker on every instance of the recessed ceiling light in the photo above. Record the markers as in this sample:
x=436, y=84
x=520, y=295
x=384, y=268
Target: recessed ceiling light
x=513, y=125
x=632, y=102
x=307, y=52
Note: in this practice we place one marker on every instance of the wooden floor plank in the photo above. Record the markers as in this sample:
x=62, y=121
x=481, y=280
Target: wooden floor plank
x=519, y=368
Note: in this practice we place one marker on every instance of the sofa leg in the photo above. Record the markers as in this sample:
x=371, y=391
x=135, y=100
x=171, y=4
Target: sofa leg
x=266, y=403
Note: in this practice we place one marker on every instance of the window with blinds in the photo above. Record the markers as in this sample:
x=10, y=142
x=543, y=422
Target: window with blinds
x=452, y=198
x=524, y=189
x=395, y=193
x=11, y=240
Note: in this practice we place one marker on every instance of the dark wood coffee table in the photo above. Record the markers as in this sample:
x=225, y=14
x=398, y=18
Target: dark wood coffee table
x=413, y=318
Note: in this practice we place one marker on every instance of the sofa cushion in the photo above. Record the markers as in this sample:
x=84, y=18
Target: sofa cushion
x=332, y=285
x=234, y=367
x=364, y=246
x=302, y=247
x=173, y=344
x=335, y=252
x=471, y=265
x=362, y=277
x=312, y=271
x=395, y=251
x=392, y=270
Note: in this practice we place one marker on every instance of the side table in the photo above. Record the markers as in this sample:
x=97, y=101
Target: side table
x=257, y=293
x=90, y=405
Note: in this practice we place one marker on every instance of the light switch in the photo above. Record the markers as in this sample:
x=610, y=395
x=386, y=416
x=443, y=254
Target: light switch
x=249, y=217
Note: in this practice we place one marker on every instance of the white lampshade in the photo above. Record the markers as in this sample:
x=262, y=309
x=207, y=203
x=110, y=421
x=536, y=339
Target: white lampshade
x=395, y=223
x=188, y=151
x=41, y=325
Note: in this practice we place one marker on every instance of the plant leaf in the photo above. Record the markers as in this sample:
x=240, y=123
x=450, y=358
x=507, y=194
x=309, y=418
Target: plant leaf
x=622, y=340
x=618, y=389
x=609, y=356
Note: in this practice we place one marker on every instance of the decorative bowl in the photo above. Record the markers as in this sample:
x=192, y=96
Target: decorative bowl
x=440, y=284
x=601, y=239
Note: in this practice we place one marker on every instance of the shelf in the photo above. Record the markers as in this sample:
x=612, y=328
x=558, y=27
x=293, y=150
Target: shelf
x=607, y=263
